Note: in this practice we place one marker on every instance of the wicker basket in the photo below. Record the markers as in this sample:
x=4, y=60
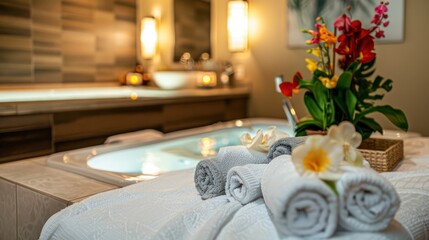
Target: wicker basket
x=382, y=154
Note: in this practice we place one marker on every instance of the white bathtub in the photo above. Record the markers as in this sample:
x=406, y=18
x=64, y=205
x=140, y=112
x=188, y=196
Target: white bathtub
x=124, y=164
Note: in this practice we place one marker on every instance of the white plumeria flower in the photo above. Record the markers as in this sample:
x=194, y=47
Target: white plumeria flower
x=319, y=156
x=346, y=135
x=262, y=142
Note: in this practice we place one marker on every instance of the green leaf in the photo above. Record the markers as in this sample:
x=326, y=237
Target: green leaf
x=376, y=83
x=306, y=84
x=341, y=103
x=320, y=94
x=364, y=130
x=330, y=112
x=365, y=69
x=376, y=97
x=353, y=66
x=351, y=102
x=396, y=116
x=317, y=73
x=387, y=85
x=365, y=75
x=372, y=124
x=313, y=107
x=309, y=124
x=345, y=80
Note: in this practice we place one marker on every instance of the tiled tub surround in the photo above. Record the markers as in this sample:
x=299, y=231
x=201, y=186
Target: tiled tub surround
x=66, y=41
x=31, y=192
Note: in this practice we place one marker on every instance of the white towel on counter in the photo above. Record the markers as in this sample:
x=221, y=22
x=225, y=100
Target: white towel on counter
x=367, y=201
x=210, y=175
x=243, y=183
x=301, y=206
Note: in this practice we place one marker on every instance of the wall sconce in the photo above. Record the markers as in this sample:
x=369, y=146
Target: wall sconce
x=237, y=25
x=148, y=37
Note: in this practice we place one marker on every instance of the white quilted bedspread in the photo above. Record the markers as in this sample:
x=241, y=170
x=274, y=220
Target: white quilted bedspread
x=169, y=207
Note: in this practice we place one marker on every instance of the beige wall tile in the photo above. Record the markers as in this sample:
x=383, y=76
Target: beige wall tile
x=34, y=209
x=7, y=210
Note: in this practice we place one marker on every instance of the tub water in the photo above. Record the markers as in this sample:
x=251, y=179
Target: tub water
x=124, y=164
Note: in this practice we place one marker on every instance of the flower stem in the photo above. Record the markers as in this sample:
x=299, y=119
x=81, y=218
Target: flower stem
x=333, y=54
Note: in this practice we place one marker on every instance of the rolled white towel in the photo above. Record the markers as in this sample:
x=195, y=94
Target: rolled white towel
x=210, y=174
x=301, y=206
x=367, y=201
x=243, y=183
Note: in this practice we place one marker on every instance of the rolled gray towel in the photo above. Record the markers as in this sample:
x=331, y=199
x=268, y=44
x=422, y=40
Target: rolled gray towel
x=284, y=146
x=210, y=174
x=243, y=183
x=209, y=181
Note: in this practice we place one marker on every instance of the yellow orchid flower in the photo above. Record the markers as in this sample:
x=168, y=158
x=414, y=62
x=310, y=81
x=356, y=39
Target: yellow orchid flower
x=329, y=82
x=315, y=51
x=311, y=64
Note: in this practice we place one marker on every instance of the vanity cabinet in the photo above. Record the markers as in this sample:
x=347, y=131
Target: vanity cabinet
x=25, y=136
x=46, y=128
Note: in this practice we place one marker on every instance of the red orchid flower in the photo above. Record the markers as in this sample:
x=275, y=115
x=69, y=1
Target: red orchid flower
x=343, y=23
x=355, y=44
x=288, y=88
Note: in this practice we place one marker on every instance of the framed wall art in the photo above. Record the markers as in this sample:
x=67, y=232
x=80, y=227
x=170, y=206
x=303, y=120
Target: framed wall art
x=302, y=14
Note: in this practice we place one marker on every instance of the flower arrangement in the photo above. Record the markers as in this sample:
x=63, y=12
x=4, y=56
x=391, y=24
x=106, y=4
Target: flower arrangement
x=332, y=97
x=324, y=156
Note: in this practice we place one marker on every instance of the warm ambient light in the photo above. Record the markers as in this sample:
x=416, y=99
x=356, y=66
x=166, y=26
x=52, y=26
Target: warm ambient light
x=237, y=25
x=206, y=79
x=148, y=37
x=134, y=79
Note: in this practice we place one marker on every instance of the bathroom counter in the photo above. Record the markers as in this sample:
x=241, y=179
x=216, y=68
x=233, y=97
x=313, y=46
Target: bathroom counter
x=36, y=122
x=29, y=101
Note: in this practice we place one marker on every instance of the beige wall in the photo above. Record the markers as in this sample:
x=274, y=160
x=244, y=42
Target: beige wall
x=405, y=63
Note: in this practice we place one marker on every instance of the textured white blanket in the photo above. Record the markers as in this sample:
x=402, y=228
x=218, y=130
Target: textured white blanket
x=141, y=210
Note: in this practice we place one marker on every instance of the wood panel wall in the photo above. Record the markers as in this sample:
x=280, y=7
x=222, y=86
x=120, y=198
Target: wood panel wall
x=66, y=41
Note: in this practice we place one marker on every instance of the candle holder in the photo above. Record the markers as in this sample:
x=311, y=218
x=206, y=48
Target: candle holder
x=134, y=79
x=206, y=79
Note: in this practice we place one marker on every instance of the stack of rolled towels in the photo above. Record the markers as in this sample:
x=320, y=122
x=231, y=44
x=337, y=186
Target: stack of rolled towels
x=361, y=200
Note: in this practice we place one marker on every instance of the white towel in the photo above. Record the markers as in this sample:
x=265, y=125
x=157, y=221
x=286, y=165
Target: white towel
x=367, y=201
x=243, y=183
x=210, y=175
x=301, y=206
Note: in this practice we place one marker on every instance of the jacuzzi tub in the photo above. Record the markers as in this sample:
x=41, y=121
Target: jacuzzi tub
x=124, y=164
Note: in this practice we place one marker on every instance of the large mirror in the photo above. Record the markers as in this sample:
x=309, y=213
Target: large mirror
x=192, y=28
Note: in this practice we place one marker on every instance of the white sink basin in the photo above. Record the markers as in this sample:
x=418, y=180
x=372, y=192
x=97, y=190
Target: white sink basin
x=174, y=79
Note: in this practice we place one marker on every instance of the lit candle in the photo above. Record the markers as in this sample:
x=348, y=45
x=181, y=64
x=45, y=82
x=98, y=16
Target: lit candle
x=206, y=79
x=134, y=79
